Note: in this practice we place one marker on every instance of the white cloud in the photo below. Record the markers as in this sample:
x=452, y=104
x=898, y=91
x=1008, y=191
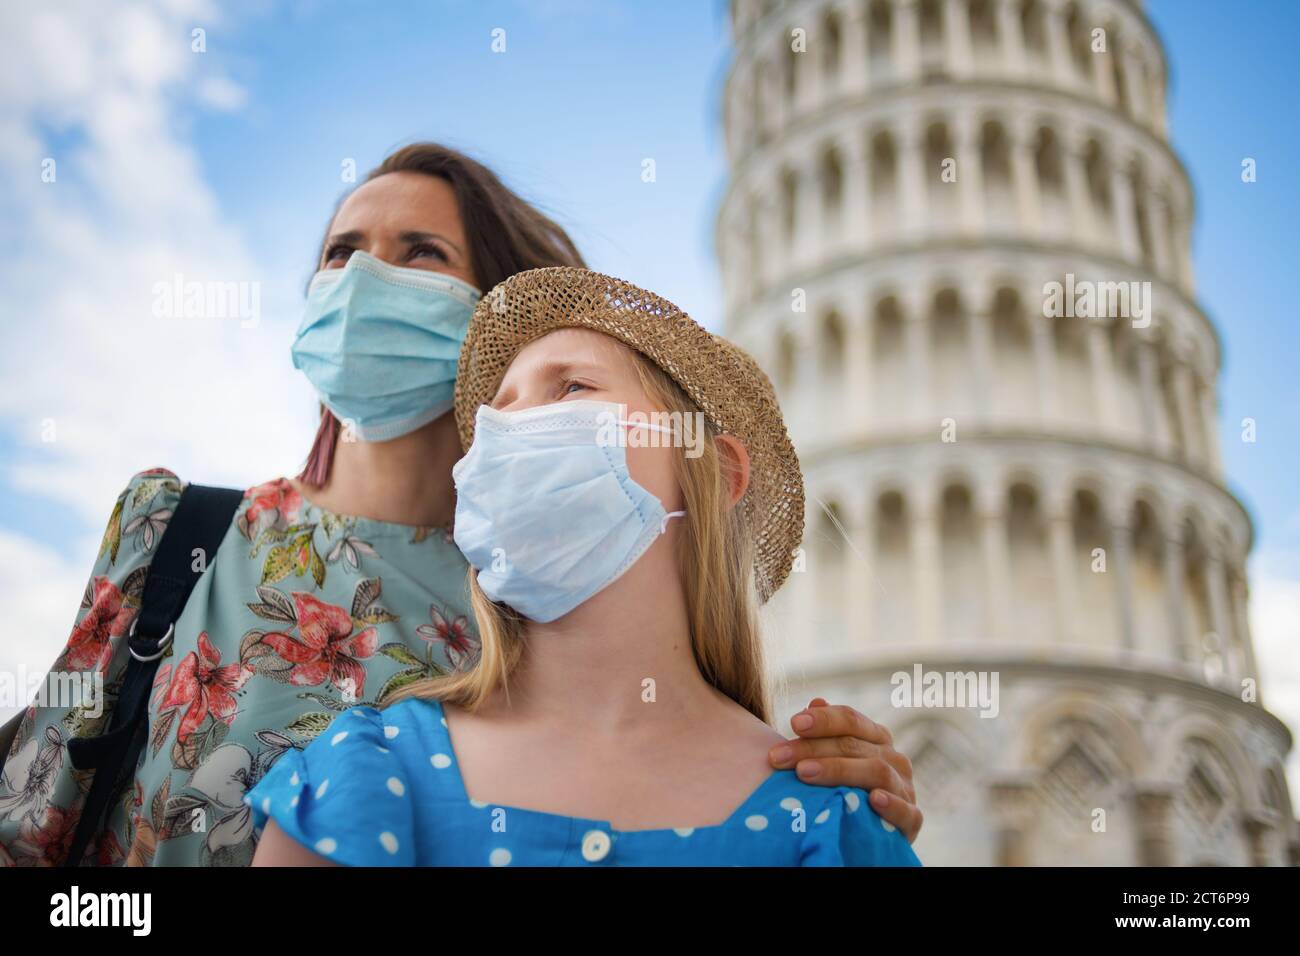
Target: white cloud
x=43, y=587
x=95, y=87
x=222, y=93
x=98, y=87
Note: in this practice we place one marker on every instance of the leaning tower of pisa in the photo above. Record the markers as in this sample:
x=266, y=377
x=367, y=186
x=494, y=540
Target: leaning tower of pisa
x=956, y=235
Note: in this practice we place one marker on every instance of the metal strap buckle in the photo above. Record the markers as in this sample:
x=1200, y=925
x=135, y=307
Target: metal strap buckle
x=162, y=644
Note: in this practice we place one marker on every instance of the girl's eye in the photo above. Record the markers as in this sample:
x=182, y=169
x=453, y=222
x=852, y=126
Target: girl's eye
x=568, y=386
x=427, y=249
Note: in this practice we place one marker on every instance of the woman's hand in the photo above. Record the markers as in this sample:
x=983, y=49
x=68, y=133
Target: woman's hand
x=840, y=747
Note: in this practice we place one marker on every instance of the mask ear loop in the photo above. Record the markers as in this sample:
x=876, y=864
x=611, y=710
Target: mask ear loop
x=663, y=524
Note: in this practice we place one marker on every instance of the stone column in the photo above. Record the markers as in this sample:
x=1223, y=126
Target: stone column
x=769, y=229
x=1076, y=187
x=1219, y=613
x=780, y=107
x=1130, y=246
x=1210, y=424
x=763, y=102
x=1103, y=74
x=1158, y=220
x=809, y=87
x=808, y=374
x=853, y=47
x=1181, y=640
x=979, y=305
x=1060, y=529
x=926, y=570
x=1184, y=405
x=916, y=327
x=1238, y=596
x=1012, y=38
x=1024, y=172
x=1012, y=810
x=856, y=196
x=870, y=234
x=1183, y=253
x=992, y=503
x=858, y=366
x=911, y=160
x=1135, y=80
x=956, y=28
x=863, y=586
x=1058, y=46
x=810, y=217
x=970, y=189
x=1102, y=366
x=1154, y=804
x=1041, y=329
x=907, y=41
x=1149, y=384
x=1120, y=566
x=1258, y=829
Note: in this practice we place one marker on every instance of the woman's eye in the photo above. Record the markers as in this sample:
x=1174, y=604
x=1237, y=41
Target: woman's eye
x=427, y=249
x=335, y=252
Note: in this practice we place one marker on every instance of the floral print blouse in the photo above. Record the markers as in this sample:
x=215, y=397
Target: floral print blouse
x=301, y=615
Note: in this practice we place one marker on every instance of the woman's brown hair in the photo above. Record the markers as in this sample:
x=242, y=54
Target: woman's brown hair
x=505, y=235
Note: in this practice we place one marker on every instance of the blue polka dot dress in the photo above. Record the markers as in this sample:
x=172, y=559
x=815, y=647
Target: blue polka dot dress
x=383, y=788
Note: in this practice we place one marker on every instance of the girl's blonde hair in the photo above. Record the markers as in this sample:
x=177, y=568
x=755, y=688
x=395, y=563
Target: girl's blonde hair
x=715, y=558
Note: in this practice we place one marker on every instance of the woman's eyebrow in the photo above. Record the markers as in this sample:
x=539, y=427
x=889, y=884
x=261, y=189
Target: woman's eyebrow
x=352, y=237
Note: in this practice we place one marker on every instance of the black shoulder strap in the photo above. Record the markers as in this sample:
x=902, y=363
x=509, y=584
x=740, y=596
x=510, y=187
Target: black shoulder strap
x=200, y=521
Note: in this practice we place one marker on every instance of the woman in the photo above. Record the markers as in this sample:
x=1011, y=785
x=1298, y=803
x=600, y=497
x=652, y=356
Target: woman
x=617, y=711
x=331, y=590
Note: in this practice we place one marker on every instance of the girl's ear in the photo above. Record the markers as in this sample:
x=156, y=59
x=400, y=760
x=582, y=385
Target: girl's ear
x=734, y=459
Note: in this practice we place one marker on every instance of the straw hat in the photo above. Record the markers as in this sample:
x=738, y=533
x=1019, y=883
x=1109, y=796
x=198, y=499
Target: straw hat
x=727, y=385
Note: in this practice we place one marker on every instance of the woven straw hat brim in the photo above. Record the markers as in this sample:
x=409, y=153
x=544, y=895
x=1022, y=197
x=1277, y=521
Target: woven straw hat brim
x=731, y=390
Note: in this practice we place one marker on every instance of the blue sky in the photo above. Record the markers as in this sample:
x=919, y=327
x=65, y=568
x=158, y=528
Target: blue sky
x=320, y=91
x=1232, y=95
x=226, y=164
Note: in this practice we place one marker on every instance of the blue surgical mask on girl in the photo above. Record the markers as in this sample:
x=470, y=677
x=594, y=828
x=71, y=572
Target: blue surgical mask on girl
x=380, y=343
x=546, y=509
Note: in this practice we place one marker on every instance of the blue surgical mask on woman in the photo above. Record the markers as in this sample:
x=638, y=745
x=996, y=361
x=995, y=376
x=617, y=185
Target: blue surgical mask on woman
x=546, y=509
x=380, y=343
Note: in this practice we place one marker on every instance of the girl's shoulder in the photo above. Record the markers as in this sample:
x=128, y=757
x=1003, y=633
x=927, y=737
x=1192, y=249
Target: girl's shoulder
x=411, y=725
x=346, y=795
x=389, y=720
x=842, y=829
x=351, y=794
x=420, y=719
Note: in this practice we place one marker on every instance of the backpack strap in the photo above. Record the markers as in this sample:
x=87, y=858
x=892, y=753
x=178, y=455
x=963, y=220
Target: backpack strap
x=200, y=521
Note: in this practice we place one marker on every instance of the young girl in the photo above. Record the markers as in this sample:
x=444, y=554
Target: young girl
x=628, y=496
